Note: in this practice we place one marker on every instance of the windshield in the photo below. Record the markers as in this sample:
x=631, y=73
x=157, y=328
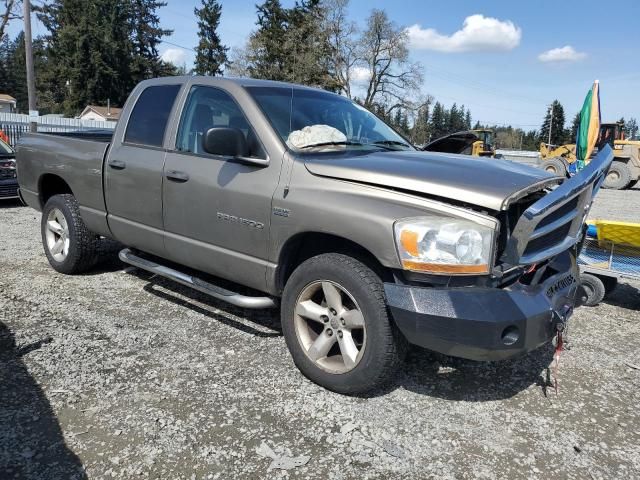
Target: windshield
x=316, y=120
x=488, y=140
x=5, y=149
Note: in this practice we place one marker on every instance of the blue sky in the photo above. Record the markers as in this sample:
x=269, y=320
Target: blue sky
x=493, y=66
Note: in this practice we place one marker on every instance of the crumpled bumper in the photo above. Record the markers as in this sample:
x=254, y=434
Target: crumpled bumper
x=486, y=323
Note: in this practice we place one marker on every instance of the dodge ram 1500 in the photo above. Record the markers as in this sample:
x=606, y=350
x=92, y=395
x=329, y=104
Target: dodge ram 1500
x=320, y=209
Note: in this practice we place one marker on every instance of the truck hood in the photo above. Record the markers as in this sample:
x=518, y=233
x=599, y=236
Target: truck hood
x=485, y=182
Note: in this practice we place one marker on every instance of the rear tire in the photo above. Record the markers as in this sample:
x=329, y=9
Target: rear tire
x=69, y=245
x=593, y=287
x=555, y=166
x=619, y=176
x=321, y=343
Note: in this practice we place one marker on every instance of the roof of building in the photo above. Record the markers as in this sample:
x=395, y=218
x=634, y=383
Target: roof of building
x=7, y=98
x=110, y=113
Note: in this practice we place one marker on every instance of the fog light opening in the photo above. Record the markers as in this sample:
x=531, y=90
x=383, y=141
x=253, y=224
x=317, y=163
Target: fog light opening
x=510, y=335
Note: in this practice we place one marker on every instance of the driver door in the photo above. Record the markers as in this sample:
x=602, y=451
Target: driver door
x=217, y=209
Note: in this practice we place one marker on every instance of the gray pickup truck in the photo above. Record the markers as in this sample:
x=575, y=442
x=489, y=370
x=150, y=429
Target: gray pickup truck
x=309, y=202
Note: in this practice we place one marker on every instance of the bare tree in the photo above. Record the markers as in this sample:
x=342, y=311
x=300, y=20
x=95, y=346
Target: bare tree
x=239, y=62
x=394, y=79
x=10, y=10
x=343, y=43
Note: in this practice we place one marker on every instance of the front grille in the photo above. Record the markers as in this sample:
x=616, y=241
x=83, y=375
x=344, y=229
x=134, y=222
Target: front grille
x=8, y=190
x=544, y=242
x=553, y=223
x=569, y=207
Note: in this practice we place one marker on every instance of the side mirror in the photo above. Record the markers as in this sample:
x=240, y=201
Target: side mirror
x=229, y=142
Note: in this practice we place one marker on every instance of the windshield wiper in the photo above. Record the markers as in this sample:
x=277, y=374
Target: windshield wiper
x=391, y=142
x=324, y=144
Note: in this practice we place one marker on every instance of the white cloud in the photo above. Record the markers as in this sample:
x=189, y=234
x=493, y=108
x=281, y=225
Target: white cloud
x=360, y=74
x=176, y=56
x=478, y=33
x=563, y=54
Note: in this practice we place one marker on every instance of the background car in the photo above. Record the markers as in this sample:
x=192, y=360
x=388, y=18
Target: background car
x=8, y=175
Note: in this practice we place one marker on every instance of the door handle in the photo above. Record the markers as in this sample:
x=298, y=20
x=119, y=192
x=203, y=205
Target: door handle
x=177, y=176
x=117, y=164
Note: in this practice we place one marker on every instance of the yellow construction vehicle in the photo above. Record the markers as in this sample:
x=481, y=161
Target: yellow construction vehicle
x=477, y=143
x=625, y=169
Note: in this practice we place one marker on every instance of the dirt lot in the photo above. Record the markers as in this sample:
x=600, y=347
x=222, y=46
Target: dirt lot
x=119, y=375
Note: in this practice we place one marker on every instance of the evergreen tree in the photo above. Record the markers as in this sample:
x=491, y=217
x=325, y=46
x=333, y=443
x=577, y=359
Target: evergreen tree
x=575, y=126
x=631, y=128
x=420, y=130
x=98, y=50
x=453, y=119
x=467, y=120
x=290, y=44
x=555, y=124
x=437, y=125
x=146, y=34
x=266, y=56
x=211, y=55
x=5, y=50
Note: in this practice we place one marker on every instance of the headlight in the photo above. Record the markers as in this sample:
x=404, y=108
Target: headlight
x=444, y=246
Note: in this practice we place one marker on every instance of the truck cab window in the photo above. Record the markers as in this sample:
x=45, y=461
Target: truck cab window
x=148, y=120
x=207, y=108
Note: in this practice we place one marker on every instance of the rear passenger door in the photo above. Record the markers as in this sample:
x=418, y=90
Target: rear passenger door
x=217, y=209
x=133, y=172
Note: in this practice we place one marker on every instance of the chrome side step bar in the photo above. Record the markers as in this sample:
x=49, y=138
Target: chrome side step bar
x=127, y=256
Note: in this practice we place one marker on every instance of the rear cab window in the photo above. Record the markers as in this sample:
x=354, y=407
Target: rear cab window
x=148, y=120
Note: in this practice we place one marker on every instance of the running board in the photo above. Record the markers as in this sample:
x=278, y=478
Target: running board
x=127, y=256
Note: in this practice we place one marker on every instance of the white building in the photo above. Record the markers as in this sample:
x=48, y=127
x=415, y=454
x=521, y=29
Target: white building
x=7, y=103
x=93, y=112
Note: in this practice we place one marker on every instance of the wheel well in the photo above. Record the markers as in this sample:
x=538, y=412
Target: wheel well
x=306, y=245
x=51, y=185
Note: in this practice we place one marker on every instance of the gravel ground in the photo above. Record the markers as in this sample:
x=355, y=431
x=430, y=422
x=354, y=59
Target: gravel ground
x=119, y=375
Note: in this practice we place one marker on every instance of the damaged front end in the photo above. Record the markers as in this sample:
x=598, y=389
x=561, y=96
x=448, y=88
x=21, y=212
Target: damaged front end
x=532, y=290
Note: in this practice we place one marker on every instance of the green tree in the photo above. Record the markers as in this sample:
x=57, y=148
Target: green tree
x=437, y=125
x=575, y=126
x=146, y=34
x=211, y=55
x=97, y=50
x=290, y=44
x=554, y=120
x=631, y=128
x=420, y=130
x=467, y=120
x=265, y=54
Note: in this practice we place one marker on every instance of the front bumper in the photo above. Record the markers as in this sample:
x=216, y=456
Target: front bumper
x=486, y=323
x=8, y=188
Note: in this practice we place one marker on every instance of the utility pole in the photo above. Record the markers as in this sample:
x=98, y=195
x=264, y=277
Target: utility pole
x=31, y=80
x=550, y=124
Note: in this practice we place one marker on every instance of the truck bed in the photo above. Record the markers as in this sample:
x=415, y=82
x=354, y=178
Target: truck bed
x=75, y=158
x=96, y=135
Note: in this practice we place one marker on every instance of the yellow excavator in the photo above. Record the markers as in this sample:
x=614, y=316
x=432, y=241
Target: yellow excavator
x=477, y=143
x=625, y=169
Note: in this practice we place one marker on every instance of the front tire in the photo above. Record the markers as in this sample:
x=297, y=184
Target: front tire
x=337, y=327
x=593, y=287
x=619, y=176
x=69, y=245
x=555, y=166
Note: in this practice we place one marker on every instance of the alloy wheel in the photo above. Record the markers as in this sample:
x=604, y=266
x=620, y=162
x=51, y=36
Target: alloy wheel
x=330, y=326
x=57, y=235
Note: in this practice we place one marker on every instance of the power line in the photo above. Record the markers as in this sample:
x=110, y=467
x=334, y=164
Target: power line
x=452, y=77
x=179, y=46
